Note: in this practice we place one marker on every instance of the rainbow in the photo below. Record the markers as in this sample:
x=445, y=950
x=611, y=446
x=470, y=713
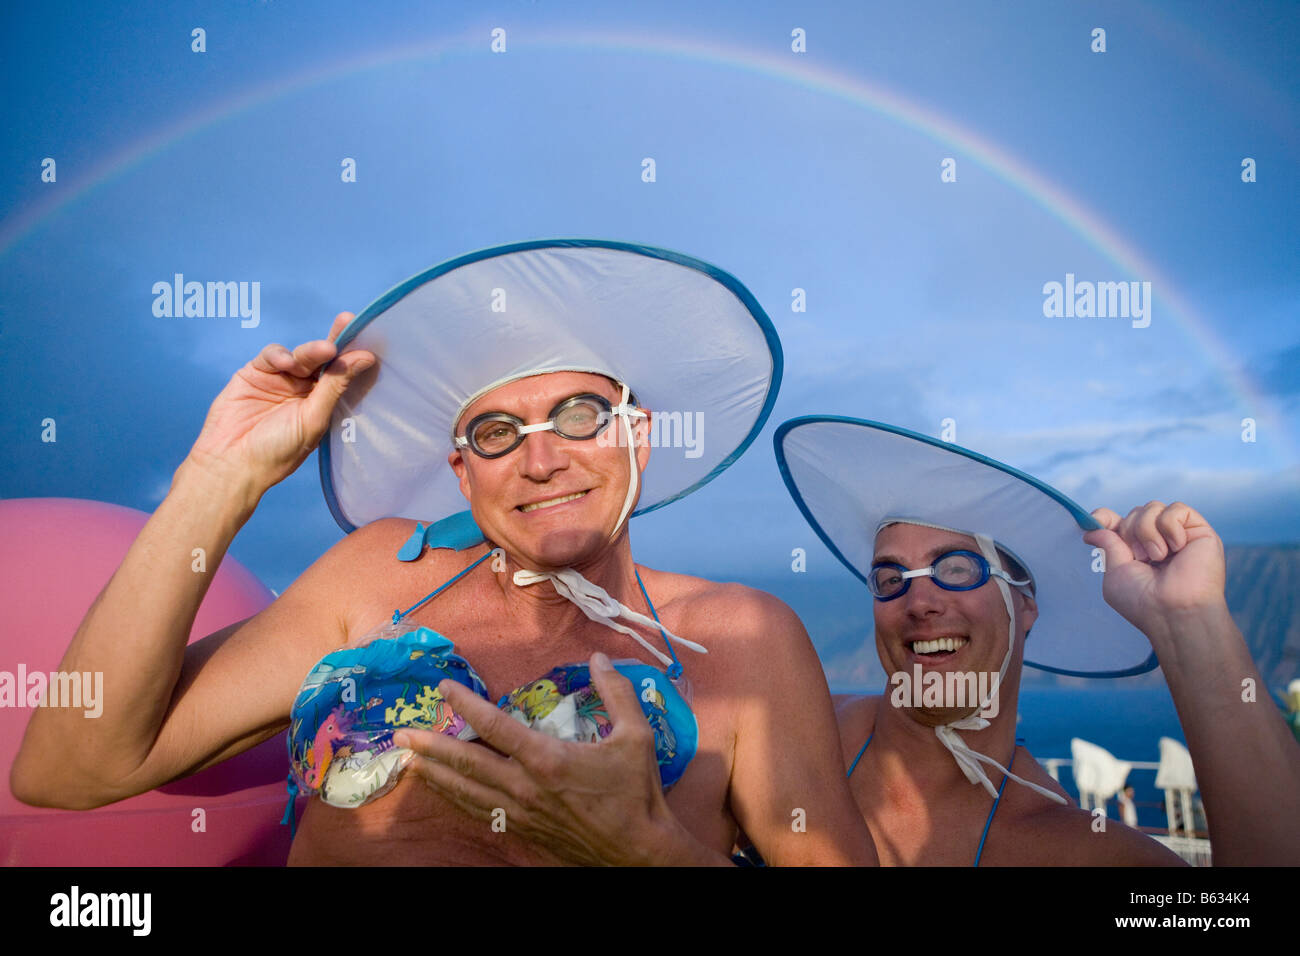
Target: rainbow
x=779, y=64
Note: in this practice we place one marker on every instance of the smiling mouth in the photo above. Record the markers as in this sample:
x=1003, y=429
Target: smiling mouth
x=551, y=503
x=938, y=646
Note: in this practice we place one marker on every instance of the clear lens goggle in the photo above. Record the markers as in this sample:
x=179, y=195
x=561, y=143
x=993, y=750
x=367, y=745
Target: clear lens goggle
x=953, y=571
x=579, y=418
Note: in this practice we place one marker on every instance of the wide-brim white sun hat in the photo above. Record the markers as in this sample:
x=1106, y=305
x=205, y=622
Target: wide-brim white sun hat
x=849, y=475
x=686, y=337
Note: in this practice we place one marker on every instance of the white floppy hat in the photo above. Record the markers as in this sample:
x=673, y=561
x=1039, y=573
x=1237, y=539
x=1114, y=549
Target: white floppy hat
x=849, y=476
x=684, y=336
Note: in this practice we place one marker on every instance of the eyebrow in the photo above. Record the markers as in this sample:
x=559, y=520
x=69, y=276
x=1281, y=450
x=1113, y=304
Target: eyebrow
x=929, y=556
x=467, y=418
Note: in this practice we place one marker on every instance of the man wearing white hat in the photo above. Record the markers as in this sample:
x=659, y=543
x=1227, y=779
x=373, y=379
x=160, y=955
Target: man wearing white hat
x=976, y=568
x=506, y=378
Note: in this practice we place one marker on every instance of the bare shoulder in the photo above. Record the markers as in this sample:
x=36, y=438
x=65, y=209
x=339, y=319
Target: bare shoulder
x=753, y=638
x=361, y=574
x=855, y=718
x=721, y=605
x=856, y=708
x=1052, y=834
x=1072, y=836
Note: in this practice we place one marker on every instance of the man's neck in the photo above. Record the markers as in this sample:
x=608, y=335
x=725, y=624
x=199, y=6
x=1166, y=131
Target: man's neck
x=912, y=757
x=541, y=607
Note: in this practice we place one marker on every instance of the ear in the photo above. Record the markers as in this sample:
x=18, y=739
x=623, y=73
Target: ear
x=641, y=433
x=457, y=461
x=1026, y=611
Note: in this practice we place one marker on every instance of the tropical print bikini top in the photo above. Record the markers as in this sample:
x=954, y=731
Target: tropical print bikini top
x=355, y=698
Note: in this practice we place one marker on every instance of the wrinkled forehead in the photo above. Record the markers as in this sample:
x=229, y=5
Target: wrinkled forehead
x=547, y=388
x=895, y=536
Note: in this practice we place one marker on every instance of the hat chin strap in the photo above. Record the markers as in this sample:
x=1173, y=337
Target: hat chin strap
x=602, y=607
x=625, y=413
x=968, y=759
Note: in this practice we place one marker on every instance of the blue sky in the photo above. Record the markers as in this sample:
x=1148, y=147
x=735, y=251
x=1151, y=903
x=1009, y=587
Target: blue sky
x=818, y=170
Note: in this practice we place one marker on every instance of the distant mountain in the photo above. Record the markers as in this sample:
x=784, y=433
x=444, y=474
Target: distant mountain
x=1262, y=587
x=1264, y=598
x=1263, y=590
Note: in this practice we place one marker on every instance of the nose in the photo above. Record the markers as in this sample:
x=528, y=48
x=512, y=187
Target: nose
x=923, y=597
x=542, y=454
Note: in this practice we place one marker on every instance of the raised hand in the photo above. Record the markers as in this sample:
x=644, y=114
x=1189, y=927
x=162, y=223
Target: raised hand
x=275, y=409
x=1165, y=573
x=1162, y=562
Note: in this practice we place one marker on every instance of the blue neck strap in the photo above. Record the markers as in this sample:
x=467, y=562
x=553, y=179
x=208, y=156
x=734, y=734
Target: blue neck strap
x=675, y=671
x=398, y=615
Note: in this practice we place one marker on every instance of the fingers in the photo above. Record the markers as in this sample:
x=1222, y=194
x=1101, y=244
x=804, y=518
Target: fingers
x=458, y=758
x=494, y=726
x=1106, y=518
x=307, y=359
x=1153, y=532
x=618, y=693
x=340, y=323
x=339, y=374
x=1128, y=529
x=1145, y=534
x=455, y=771
x=1116, y=549
x=1170, y=524
x=302, y=362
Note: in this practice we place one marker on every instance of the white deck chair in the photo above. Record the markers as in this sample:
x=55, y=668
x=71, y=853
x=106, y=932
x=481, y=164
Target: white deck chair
x=1177, y=778
x=1098, y=774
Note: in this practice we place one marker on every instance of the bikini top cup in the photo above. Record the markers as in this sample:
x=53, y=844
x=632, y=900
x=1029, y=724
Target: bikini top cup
x=357, y=697
x=350, y=704
x=565, y=704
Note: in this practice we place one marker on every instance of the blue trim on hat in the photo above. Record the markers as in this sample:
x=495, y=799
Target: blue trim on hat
x=1083, y=519
x=734, y=285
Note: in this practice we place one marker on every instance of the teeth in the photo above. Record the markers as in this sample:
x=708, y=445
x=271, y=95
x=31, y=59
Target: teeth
x=939, y=644
x=552, y=502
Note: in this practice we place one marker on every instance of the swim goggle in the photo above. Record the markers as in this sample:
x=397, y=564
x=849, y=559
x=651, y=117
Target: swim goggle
x=953, y=571
x=579, y=418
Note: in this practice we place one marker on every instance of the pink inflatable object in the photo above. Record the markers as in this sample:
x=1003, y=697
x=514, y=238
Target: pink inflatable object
x=56, y=554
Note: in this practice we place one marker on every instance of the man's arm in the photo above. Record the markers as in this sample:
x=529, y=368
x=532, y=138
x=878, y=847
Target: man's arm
x=788, y=787
x=170, y=710
x=1165, y=574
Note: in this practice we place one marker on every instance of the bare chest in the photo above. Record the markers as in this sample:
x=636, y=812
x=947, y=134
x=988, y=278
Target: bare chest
x=413, y=824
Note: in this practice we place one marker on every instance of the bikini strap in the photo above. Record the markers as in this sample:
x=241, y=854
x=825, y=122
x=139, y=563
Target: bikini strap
x=675, y=670
x=860, y=753
x=1020, y=741
x=290, y=818
x=398, y=615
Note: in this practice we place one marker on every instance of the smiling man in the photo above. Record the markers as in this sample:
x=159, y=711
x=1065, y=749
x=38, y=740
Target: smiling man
x=913, y=768
x=518, y=359
x=975, y=568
